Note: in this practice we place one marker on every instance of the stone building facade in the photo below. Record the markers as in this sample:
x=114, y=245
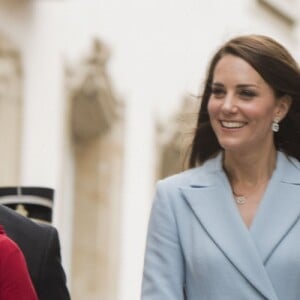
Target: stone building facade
x=91, y=106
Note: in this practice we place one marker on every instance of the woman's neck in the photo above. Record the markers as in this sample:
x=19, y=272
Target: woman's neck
x=250, y=169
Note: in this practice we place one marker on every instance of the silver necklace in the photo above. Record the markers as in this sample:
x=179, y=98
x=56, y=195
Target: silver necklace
x=239, y=199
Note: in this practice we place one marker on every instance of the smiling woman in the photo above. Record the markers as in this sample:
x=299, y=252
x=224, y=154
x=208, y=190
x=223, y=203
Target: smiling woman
x=228, y=228
x=242, y=107
x=274, y=67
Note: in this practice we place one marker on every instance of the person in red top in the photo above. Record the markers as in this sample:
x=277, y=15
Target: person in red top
x=15, y=282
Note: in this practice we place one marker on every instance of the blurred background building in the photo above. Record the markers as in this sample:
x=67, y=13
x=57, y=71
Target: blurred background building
x=98, y=101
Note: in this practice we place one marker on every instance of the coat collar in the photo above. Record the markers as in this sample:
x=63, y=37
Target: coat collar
x=279, y=210
x=209, y=196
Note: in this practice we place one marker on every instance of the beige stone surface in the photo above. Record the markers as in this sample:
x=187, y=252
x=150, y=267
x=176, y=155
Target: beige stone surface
x=10, y=112
x=175, y=138
x=97, y=134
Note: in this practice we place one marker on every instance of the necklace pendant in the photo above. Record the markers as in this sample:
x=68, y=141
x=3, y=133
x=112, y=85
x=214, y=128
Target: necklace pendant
x=240, y=200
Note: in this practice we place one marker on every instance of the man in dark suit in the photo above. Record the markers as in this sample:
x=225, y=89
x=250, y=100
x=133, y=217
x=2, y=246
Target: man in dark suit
x=41, y=248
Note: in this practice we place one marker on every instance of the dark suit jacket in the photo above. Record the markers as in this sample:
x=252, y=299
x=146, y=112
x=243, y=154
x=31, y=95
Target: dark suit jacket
x=41, y=248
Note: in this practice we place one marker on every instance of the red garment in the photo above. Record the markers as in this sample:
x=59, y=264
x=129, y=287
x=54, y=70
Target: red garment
x=15, y=282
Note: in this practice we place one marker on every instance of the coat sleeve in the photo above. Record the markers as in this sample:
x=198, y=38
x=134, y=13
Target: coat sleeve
x=52, y=279
x=15, y=283
x=163, y=276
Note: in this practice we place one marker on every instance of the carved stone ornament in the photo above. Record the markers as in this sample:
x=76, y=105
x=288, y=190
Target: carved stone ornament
x=93, y=105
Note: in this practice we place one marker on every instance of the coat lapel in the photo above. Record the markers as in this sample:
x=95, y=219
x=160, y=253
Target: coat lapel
x=210, y=198
x=280, y=207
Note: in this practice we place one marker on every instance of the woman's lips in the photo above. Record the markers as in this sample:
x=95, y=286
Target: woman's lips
x=232, y=124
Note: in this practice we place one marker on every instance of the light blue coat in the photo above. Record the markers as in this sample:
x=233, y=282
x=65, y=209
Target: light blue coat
x=198, y=244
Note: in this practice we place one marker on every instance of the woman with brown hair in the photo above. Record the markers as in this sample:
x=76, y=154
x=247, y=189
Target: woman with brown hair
x=228, y=228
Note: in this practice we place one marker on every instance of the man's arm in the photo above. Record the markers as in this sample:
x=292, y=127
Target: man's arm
x=52, y=278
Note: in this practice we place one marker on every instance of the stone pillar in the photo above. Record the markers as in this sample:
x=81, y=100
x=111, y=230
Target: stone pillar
x=175, y=138
x=97, y=133
x=10, y=112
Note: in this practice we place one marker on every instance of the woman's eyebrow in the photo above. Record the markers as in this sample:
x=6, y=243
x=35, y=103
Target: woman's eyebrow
x=217, y=84
x=244, y=85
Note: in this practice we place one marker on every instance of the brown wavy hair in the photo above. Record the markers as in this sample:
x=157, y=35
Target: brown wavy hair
x=279, y=69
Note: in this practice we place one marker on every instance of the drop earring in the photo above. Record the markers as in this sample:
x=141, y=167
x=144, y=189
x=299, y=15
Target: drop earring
x=275, y=124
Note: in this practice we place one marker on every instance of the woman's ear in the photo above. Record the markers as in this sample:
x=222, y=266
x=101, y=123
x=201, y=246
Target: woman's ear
x=284, y=104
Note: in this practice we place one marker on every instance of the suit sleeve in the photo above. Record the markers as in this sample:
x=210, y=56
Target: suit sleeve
x=163, y=277
x=52, y=277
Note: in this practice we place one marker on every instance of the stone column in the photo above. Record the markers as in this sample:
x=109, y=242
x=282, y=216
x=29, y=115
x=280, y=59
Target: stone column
x=97, y=133
x=175, y=138
x=10, y=112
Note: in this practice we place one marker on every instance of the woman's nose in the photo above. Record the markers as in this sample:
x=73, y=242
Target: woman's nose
x=229, y=104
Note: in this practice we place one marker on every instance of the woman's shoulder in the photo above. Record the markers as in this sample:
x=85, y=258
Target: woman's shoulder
x=7, y=245
x=2, y=231
x=197, y=174
x=181, y=177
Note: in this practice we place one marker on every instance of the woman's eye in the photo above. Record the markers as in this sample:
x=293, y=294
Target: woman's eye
x=217, y=92
x=247, y=94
